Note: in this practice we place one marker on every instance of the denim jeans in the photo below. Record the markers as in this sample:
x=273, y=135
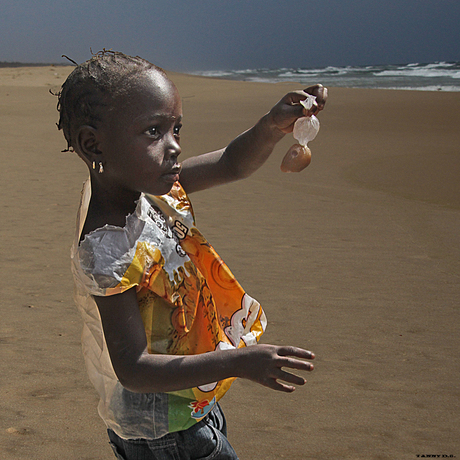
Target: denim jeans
x=204, y=441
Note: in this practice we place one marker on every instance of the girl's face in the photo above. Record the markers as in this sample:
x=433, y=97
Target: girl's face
x=139, y=138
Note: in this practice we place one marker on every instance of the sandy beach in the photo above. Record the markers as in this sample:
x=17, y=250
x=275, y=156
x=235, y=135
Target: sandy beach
x=356, y=258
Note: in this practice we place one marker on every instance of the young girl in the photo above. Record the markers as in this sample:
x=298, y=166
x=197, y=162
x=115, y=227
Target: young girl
x=167, y=328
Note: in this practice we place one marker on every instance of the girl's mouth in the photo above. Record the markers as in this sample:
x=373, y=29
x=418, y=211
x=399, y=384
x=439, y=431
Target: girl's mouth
x=173, y=174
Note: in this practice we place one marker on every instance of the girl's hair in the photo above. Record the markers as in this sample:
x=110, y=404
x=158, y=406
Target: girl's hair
x=92, y=88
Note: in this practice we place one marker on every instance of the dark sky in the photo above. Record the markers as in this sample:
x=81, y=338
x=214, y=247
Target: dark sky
x=232, y=34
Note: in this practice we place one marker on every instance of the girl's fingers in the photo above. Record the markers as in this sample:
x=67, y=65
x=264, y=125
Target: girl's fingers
x=291, y=378
x=298, y=364
x=285, y=381
x=320, y=92
x=296, y=352
x=279, y=386
x=289, y=108
x=281, y=359
x=294, y=97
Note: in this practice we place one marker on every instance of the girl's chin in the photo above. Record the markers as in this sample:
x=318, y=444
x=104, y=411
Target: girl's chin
x=161, y=190
x=170, y=178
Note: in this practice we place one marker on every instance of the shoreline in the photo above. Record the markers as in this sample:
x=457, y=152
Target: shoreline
x=14, y=65
x=336, y=83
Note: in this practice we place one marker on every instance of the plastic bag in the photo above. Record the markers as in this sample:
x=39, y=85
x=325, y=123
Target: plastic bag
x=305, y=130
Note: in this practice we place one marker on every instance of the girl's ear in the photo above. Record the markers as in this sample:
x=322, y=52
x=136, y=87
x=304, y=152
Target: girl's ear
x=87, y=144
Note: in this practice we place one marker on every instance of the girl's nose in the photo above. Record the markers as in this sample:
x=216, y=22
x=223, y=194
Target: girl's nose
x=173, y=147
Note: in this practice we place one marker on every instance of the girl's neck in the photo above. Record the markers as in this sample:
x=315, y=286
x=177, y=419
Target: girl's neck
x=108, y=208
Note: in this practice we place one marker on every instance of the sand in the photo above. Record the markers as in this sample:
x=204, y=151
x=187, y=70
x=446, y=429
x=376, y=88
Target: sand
x=356, y=258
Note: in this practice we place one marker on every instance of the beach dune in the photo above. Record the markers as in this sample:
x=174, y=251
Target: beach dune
x=356, y=258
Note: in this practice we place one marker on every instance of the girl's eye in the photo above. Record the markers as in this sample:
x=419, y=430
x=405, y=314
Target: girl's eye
x=153, y=131
x=177, y=130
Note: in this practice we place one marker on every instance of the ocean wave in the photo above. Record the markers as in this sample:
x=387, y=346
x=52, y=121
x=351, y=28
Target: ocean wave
x=213, y=73
x=433, y=76
x=449, y=89
x=426, y=72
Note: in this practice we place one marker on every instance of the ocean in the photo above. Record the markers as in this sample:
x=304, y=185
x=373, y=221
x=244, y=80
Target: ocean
x=436, y=76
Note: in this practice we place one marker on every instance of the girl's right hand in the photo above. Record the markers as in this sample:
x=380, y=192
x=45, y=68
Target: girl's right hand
x=264, y=364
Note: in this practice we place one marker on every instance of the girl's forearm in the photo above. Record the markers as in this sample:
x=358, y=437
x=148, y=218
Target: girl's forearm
x=249, y=151
x=153, y=373
x=267, y=365
x=242, y=157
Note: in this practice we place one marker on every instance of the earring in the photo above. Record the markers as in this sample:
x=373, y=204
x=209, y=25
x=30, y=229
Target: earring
x=101, y=168
x=94, y=165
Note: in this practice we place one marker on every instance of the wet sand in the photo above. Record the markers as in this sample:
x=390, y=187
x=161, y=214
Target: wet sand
x=356, y=258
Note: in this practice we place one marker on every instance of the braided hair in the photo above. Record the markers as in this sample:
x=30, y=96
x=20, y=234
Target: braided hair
x=92, y=88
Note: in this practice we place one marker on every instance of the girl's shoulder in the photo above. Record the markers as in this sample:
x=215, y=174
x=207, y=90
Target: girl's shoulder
x=111, y=254
x=101, y=250
x=102, y=256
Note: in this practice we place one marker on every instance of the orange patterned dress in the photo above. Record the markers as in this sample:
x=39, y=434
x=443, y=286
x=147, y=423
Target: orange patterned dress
x=189, y=300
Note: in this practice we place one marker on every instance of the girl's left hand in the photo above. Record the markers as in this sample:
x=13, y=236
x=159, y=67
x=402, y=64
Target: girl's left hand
x=286, y=112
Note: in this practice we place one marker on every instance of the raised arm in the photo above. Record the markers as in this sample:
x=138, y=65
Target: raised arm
x=249, y=151
x=139, y=371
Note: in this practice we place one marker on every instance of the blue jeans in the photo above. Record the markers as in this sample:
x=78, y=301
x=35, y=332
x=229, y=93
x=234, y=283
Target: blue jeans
x=207, y=440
